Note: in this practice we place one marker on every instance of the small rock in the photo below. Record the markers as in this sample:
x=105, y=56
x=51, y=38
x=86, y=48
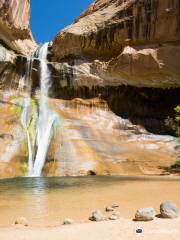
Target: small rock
x=145, y=214
x=113, y=217
x=68, y=221
x=97, y=216
x=109, y=209
x=22, y=221
x=169, y=210
x=139, y=230
x=115, y=206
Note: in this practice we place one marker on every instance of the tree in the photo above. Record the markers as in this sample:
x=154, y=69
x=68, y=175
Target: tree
x=174, y=123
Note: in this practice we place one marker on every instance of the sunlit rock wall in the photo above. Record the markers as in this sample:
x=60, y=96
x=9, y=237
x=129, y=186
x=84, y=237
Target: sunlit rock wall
x=104, y=127
x=94, y=140
x=14, y=25
x=132, y=42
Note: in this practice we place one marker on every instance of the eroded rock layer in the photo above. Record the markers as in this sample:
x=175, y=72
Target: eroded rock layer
x=113, y=80
x=90, y=139
x=14, y=25
x=132, y=42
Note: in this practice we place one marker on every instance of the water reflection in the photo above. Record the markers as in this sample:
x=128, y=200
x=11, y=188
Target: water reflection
x=40, y=185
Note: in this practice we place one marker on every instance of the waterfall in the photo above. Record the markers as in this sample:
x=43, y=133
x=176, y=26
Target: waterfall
x=25, y=81
x=24, y=122
x=46, y=117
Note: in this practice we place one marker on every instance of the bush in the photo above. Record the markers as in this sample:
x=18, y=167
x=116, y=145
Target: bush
x=176, y=166
x=174, y=123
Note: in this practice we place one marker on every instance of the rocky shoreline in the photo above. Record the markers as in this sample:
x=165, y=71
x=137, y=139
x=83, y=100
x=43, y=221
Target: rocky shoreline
x=168, y=210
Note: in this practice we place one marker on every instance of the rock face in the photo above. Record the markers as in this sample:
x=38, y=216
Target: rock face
x=124, y=42
x=169, y=210
x=15, y=39
x=14, y=25
x=105, y=127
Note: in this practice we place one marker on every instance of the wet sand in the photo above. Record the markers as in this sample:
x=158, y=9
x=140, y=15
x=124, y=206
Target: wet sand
x=46, y=202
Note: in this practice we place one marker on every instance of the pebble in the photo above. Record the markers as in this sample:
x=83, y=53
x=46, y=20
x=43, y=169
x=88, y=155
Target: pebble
x=68, y=221
x=109, y=209
x=22, y=221
x=115, y=206
x=113, y=217
x=139, y=230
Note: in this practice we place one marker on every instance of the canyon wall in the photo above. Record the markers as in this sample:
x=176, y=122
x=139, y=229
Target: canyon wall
x=114, y=79
x=125, y=52
x=124, y=42
x=15, y=40
x=14, y=26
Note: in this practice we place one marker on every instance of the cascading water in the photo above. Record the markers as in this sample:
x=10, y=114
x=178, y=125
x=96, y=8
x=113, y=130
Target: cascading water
x=24, y=122
x=25, y=80
x=46, y=117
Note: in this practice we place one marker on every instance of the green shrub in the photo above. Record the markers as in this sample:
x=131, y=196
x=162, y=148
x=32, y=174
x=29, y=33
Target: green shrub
x=174, y=123
x=176, y=166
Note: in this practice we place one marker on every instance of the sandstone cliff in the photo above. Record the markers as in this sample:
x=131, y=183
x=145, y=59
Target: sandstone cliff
x=124, y=42
x=104, y=126
x=15, y=39
x=14, y=26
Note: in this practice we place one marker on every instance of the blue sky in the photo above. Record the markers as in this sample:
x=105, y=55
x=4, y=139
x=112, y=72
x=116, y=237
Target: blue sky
x=49, y=16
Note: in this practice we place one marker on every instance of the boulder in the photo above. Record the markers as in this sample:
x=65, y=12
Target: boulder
x=169, y=210
x=97, y=216
x=145, y=214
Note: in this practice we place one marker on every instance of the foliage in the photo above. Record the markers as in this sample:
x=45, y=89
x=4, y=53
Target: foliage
x=176, y=166
x=174, y=123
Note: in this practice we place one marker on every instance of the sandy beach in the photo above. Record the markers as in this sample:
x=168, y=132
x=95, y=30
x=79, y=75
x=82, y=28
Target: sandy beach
x=46, y=202
x=116, y=230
